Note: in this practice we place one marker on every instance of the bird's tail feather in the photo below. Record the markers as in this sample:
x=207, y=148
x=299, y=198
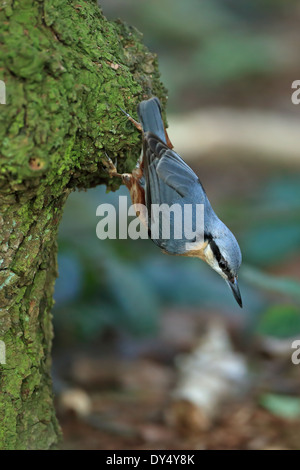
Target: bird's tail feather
x=149, y=113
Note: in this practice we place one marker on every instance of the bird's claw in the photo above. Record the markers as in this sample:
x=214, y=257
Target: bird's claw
x=134, y=122
x=110, y=167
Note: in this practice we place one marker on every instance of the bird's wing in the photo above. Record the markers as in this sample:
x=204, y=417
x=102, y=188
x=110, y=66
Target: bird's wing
x=168, y=178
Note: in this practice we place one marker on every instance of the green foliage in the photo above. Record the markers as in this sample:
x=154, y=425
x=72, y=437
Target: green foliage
x=281, y=321
x=272, y=242
x=283, y=406
x=204, y=46
x=230, y=56
x=280, y=285
x=272, y=228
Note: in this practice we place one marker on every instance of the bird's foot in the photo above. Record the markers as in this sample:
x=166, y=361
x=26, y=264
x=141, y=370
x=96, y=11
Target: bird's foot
x=126, y=177
x=112, y=171
x=111, y=168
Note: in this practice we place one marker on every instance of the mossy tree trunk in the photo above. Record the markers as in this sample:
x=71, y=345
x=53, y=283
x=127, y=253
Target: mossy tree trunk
x=66, y=70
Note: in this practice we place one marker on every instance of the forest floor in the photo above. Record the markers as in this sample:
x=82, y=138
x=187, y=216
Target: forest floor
x=121, y=398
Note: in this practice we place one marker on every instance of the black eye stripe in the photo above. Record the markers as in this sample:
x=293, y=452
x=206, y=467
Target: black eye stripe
x=215, y=251
x=221, y=261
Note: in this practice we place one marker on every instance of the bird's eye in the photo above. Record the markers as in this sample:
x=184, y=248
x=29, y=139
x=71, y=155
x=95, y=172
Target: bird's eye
x=224, y=266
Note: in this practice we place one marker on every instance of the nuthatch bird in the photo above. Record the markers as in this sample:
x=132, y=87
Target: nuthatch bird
x=163, y=177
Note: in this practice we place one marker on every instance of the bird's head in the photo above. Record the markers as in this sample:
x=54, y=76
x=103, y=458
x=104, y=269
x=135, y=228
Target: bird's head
x=223, y=254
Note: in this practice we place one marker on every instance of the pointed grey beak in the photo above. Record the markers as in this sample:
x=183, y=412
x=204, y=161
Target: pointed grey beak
x=236, y=291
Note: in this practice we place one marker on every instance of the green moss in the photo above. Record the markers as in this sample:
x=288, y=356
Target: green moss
x=76, y=68
x=67, y=70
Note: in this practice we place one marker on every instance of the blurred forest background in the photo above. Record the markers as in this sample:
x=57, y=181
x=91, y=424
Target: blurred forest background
x=136, y=332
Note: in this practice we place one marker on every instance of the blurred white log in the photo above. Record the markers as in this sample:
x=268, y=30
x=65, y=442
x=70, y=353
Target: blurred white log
x=244, y=134
x=207, y=377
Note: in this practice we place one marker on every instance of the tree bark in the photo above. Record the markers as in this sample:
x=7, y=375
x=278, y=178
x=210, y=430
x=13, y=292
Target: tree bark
x=66, y=70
